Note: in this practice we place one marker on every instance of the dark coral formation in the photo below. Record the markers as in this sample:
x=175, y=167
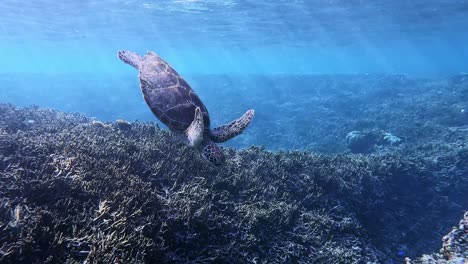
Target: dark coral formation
x=454, y=248
x=72, y=190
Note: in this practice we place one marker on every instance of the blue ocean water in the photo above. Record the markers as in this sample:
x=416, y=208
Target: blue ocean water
x=387, y=79
x=236, y=54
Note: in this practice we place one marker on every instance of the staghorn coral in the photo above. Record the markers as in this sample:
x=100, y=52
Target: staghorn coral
x=72, y=192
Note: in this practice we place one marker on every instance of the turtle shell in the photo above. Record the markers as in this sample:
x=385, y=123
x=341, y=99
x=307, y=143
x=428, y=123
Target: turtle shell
x=168, y=95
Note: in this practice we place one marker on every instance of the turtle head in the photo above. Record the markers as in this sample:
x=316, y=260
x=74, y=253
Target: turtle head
x=212, y=153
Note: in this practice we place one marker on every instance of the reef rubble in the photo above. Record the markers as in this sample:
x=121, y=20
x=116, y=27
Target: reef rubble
x=73, y=190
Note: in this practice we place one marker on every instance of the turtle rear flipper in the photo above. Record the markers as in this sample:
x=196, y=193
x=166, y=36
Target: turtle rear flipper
x=194, y=133
x=130, y=57
x=225, y=132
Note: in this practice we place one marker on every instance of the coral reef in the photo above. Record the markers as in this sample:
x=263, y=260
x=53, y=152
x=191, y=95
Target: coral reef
x=307, y=112
x=318, y=111
x=74, y=191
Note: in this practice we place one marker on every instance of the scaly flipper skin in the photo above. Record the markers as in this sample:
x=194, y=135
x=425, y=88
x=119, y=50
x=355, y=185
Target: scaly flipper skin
x=212, y=153
x=225, y=132
x=130, y=58
x=194, y=132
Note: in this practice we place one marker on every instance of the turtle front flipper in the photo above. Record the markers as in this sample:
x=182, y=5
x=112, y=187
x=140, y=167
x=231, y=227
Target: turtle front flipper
x=225, y=132
x=212, y=153
x=130, y=57
x=194, y=133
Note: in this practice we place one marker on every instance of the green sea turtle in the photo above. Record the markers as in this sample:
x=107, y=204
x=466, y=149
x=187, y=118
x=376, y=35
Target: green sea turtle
x=173, y=102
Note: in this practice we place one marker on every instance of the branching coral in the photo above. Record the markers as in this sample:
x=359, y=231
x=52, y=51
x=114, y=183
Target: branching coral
x=71, y=191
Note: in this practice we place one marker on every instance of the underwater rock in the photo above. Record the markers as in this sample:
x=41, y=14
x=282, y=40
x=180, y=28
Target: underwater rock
x=123, y=125
x=360, y=142
x=454, y=248
x=390, y=139
x=71, y=193
x=100, y=124
x=455, y=244
x=366, y=141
